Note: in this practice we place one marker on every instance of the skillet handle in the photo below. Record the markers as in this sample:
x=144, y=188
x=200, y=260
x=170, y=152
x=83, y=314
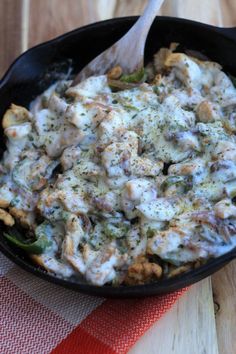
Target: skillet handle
x=229, y=32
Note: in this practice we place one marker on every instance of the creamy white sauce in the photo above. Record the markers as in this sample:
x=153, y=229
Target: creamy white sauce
x=129, y=173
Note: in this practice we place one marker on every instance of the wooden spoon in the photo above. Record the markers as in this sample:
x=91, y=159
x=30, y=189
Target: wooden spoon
x=128, y=52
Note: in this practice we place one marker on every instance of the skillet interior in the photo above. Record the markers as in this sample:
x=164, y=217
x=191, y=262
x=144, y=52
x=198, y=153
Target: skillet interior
x=36, y=69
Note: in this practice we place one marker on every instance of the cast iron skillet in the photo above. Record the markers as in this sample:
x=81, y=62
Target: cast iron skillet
x=40, y=66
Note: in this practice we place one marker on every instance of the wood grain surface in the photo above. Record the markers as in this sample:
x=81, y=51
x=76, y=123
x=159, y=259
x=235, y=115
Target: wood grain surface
x=191, y=327
x=10, y=32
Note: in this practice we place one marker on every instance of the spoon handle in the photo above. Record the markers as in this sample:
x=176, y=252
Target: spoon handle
x=142, y=26
x=131, y=46
x=128, y=52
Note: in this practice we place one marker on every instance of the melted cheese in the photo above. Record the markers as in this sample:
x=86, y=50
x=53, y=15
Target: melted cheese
x=149, y=170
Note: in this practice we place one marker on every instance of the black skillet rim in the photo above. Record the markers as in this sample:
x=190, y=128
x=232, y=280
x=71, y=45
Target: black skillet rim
x=161, y=287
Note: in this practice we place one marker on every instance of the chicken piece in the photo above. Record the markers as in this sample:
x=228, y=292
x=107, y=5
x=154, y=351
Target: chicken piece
x=230, y=188
x=4, y=203
x=229, y=120
x=101, y=114
x=73, y=237
x=57, y=105
x=82, y=116
x=70, y=192
x=185, y=68
x=56, y=204
x=225, y=209
x=177, y=245
x=41, y=171
x=186, y=140
x=140, y=188
x=46, y=121
x=89, y=88
x=26, y=218
x=36, y=105
x=41, y=101
x=116, y=182
x=173, y=124
x=57, y=141
x=175, y=116
x=6, y=218
x=212, y=190
x=195, y=168
x=161, y=56
x=137, y=242
x=6, y=196
x=70, y=157
x=115, y=158
x=56, y=132
x=18, y=132
x=223, y=171
x=134, y=192
x=207, y=112
x=218, y=231
x=211, y=134
x=102, y=269
x=87, y=169
x=122, y=158
x=17, y=139
x=33, y=173
x=53, y=265
x=223, y=90
x=52, y=257
x=188, y=99
x=143, y=166
x=16, y=115
x=49, y=206
x=166, y=149
x=113, y=125
x=225, y=150
x=107, y=202
x=160, y=209
x=191, y=71
x=142, y=271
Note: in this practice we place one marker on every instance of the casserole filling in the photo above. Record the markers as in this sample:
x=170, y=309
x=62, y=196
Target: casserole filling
x=124, y=179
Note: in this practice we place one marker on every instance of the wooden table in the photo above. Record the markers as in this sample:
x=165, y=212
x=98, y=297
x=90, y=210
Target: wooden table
x=204, y=319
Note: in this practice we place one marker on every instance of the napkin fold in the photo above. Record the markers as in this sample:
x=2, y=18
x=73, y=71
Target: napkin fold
x=37, y=317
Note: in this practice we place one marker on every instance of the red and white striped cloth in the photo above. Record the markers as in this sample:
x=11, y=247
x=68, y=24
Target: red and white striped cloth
x=37, y=317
